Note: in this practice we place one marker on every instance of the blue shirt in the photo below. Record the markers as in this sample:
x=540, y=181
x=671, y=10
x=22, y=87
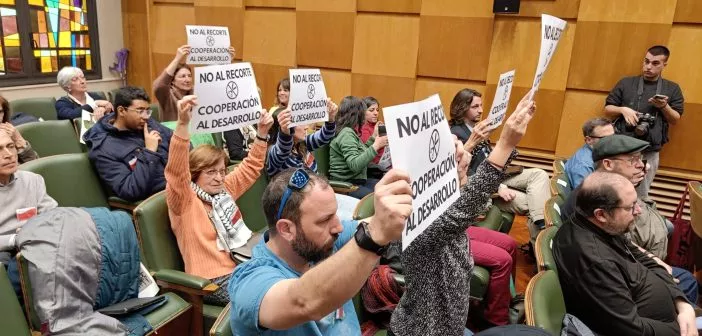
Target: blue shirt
x=579, y=166
x=251, y=281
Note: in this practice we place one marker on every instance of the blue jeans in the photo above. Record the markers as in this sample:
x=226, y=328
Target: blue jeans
x=687, y=284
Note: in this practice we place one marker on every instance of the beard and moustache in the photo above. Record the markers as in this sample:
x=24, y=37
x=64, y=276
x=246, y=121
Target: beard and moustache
x=308, y=250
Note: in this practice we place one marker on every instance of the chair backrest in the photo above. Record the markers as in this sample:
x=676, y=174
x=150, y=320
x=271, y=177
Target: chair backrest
x=552, y=211
x=51, y=137
x=696, y=207
x=29, y=309
x=559, y=166
x=544, y=303
x=560, y=185
x=221, y=326
x=159, y=247
x=41, y=107
x=321, y=156
x=544, y=251
x=70, y=179
x=251, y=207
x=12, y=318
x=365, y=207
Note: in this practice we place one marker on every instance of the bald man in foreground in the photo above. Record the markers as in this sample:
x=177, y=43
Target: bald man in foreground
x=608, y=282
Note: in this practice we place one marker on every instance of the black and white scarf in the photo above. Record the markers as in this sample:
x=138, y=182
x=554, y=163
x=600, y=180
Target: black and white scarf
x=226, y=218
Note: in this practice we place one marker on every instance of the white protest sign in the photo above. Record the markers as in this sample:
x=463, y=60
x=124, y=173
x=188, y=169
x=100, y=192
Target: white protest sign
x=208, y=45
x=422, y=145
x=227, y=98
x=501, y=101
x=308, y=97
x=551, y=32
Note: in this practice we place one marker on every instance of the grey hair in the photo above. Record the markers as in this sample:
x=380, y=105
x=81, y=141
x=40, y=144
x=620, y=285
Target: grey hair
x=65, y=76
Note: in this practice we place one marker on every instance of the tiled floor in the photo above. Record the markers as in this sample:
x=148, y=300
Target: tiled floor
x=525, y=266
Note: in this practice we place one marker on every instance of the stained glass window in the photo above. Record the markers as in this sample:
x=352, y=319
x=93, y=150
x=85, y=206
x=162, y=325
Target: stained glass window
x=39, y=37
x=60, y=34
x=10, y=59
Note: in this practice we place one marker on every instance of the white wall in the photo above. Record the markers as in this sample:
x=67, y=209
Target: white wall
x=109, y=13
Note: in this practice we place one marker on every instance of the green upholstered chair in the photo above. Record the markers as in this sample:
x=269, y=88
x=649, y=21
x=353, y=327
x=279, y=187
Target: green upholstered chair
x=221, y=326
x=251, y=206
x=552, y=211
x=321, y=156
x=560, y=186
x=40, y=107
x=481, y=276
x=69, y=179
x=507, y=221
x=12, y=318
x=160, y=255
x=156, y=112
x=51, y=137
x=544, y=252
x=169, y=319
x=559, y=166
x=544, y=303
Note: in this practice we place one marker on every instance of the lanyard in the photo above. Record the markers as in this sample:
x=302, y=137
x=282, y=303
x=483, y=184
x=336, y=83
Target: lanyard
x=639, y=91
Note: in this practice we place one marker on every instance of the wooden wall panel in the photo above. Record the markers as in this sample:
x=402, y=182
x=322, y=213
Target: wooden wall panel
x=579, y=106
x=135, y=16
x=390, y=6
x=325, y=39
x=270, y=3
x=343, y=6
x=686, y=40
x=267, y=78
x=390, y=51
x=683, y=151
x=270, y=37
x=446, y=89
x=634, y=11
x=624, y=45
x=388, y=90
x=688, y=11
x=230, y=15
x=445, y=50
x=460, y=8
x=564, y=9
x=169, y=34
x=337, y=83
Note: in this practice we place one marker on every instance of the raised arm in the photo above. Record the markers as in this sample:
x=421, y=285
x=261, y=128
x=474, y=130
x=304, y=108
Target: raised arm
x=327, y=132
x=331, y=283
x=246, y=173
x=162, y=84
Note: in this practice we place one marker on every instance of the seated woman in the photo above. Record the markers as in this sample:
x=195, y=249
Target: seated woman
x=78, y=99
x=376, y=169
x=349, y=156
x=200, y=196
x=24, y=149
x=175, y=82
x=294, y=147
x=282, y=96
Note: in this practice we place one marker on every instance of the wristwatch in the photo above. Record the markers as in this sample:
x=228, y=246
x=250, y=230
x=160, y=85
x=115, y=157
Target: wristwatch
x=263, y=138
x=364, y=240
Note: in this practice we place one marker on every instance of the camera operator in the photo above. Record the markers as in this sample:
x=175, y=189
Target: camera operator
x=644, y=106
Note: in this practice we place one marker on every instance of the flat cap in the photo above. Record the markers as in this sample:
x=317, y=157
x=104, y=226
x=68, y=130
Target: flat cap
x=617, y=144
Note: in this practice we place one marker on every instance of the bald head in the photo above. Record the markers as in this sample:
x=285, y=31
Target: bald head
x=601, y=194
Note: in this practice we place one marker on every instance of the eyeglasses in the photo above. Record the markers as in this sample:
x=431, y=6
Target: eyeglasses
x=633, y=160
x=142, y=111
x=298, y=181
x=214, y=172
x=631, y=208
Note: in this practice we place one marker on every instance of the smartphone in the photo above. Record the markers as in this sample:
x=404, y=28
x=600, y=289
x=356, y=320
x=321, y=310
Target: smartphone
x=660, y=97
x=382, y=131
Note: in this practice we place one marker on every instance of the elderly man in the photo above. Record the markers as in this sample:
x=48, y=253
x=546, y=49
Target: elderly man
x=609, y=283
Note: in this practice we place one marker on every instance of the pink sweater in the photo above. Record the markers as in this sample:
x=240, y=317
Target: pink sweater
x=189, y=215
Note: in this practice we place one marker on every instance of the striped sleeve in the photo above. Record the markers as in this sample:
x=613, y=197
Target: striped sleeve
x=321, y=137
x=279, y=153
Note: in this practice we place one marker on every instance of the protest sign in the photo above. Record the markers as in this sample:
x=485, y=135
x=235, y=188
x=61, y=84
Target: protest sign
x=422, y=145
x=208, y=45
x=308, y=97
x=551, y=32
x=501, y=101
x=227, y=98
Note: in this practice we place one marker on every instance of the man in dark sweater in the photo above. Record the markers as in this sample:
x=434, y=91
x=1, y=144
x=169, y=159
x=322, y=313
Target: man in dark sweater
x=609, y=283
x=644, y=107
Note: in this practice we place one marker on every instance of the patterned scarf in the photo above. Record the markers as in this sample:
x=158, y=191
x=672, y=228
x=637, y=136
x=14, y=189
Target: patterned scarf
x=226, y=218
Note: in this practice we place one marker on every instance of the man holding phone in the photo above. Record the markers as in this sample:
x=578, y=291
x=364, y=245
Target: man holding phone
x=644, y=107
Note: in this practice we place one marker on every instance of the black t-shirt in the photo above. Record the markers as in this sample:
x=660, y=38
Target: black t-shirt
x=625, y=93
